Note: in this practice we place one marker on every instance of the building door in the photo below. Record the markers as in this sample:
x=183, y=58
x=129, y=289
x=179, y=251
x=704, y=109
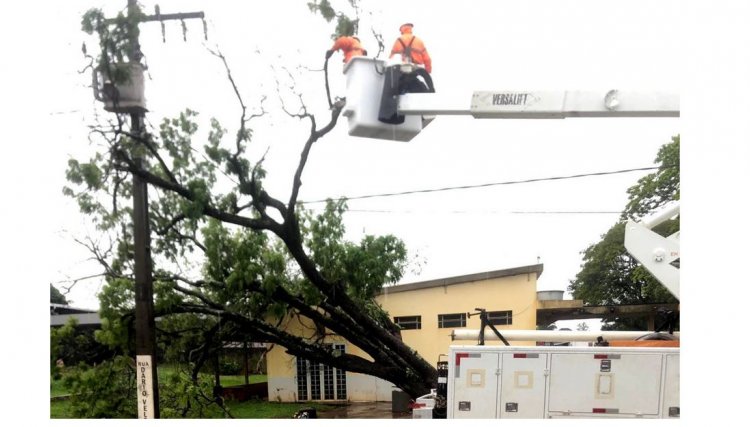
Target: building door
x=318, y=381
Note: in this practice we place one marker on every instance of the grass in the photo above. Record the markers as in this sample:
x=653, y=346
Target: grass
x=59, y=409
x=248, y=409
x=57, y=388
x=231, y=380
x=259, y=409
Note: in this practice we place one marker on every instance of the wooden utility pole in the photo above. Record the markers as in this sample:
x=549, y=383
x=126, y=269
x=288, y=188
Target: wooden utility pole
x=145, y=330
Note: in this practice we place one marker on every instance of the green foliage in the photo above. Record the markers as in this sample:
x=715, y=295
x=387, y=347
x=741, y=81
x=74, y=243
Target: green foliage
x=609, y=275
x=59, y=409
x=181, y=397
x=197, y=259
x=656, y=189
x=74, y=344
x=106, y=390
x=345, y=25
x=229, y=367
x=363, y=267
x=116, y=301
x=246, y=263
x=117, y=40
x=56, y=297
x=251, y=409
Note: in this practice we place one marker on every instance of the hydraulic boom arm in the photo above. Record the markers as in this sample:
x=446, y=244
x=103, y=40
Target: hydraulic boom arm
x=659, y=255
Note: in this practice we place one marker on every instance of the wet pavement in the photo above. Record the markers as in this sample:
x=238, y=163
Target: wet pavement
x=364, y=410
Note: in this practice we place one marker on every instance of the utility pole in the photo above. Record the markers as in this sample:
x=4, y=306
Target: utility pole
x=145, y=330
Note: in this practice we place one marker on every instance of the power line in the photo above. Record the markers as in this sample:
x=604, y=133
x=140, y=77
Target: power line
x=491, y=184
x=493, y=212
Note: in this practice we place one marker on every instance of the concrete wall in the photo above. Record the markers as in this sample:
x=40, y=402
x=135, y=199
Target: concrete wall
x=282, y=389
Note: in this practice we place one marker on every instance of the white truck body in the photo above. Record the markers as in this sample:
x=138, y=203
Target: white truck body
x=563, y=382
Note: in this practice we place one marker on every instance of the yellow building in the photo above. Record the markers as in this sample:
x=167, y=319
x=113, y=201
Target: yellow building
x=427, y=313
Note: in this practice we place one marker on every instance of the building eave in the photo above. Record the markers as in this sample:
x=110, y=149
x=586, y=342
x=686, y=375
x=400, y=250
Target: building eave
x=474, y=277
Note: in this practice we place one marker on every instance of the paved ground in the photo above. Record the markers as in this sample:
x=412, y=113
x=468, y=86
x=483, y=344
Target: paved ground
x=364, y=410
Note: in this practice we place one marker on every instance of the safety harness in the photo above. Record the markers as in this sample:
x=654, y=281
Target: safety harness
x=408, y=48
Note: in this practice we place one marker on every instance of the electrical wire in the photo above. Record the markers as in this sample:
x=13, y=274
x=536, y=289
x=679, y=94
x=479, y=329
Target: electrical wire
x=491, y=184
x=388, y=211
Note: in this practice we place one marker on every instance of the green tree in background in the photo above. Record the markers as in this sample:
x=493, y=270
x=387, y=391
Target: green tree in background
x=56, y=297
x=609, y=275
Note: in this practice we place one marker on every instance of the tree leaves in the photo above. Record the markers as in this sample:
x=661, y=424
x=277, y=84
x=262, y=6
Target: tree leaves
x=656, y=189
x=365, y=267
x=226, y=251
x=56, y=297
x=345, y=25
x=609, y=275
x=117, y=40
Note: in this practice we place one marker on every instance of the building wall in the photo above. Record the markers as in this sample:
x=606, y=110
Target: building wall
x=282, y=370
x=516, y=293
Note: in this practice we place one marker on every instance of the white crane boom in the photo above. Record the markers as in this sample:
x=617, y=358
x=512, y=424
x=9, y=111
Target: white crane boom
x=377, y=108
x=515, y=104
x=659, y=255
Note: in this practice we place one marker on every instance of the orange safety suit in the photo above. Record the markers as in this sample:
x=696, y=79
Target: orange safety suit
x=350, y=46
x=419, y=53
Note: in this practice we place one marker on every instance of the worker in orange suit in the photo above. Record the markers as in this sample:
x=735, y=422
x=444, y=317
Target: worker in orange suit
x=411, y=48
x=349, y=45
x=399, y=80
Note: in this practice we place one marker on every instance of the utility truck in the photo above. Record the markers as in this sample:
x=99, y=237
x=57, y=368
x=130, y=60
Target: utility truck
x=637, y=380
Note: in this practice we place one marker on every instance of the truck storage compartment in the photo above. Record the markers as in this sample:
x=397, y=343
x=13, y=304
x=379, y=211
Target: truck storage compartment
x=605, y=382
x=523, y=385
x=475, y=381
x=563, y=382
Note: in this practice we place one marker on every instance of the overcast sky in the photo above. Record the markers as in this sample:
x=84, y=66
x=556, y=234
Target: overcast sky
x=492, y=46
x=643, y=45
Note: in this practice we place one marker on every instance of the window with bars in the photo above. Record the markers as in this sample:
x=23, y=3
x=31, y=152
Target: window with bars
x=454, y=320
x=301, y=379
x=327, y=382
x=317, y=381
x=500, y=317
x=314, y=381
x=340, y=375
x=408, y=322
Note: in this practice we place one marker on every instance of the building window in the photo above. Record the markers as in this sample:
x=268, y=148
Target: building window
x=340, y=375
x=456, y=320
x=408, y=322
x=500, y=317
x=314, y=381
x=301, y=379
x=327, y=382
x=318, y=381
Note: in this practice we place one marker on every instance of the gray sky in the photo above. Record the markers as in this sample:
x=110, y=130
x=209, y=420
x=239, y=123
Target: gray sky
x=494, y=45
x=698, y=48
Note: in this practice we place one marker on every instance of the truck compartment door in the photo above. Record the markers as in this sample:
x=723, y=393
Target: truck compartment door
x=475, y=385
x=523, y=385
x=605, y=383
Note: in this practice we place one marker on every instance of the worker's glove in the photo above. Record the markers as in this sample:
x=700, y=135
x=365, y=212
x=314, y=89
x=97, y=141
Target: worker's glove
x=329, y=53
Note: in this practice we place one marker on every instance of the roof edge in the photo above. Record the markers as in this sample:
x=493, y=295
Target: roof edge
x=447, y=281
